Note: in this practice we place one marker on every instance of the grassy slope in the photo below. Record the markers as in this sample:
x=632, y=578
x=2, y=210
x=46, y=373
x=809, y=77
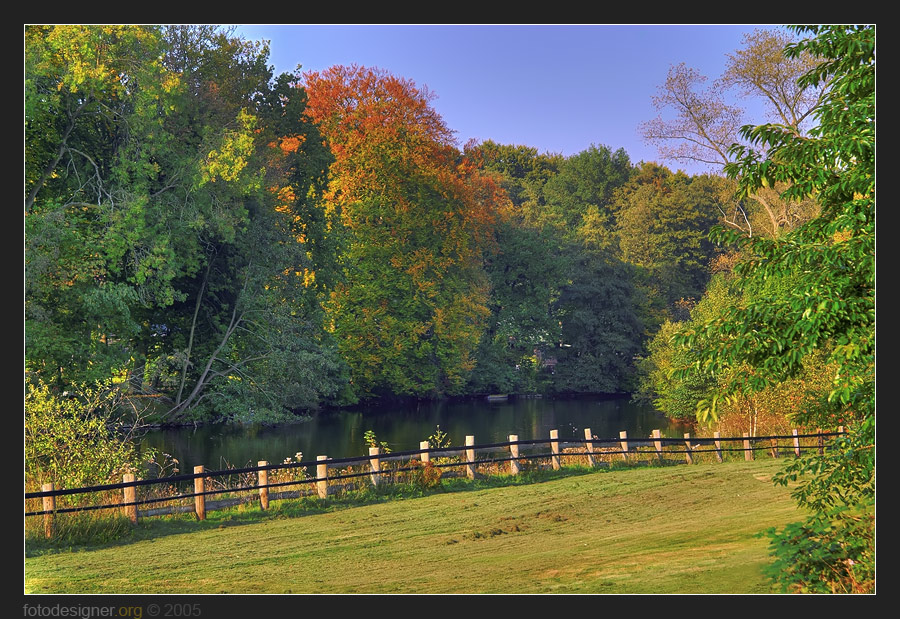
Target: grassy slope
x=683, y=529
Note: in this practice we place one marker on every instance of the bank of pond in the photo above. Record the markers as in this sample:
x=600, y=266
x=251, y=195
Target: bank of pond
x=402, y=426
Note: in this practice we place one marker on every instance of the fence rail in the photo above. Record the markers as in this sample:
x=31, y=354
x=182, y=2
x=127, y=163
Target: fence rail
x=384, y=468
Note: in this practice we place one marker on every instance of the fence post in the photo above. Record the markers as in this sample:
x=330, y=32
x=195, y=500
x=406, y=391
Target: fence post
x=623, y=442
x=514, y=454
x=590, y=446
x=199, y=489
x=49, y=507
x=470, y=457
x=263, y=480
x=128, y=494
x=718, y=446
x=775, y=448
x=657, y=444
x=821, y=441
x=688, y=455
x=796, y=443
x=425, y=456
x=375, y=463
x=322, y=475
x=748, y=455
x=554, y=449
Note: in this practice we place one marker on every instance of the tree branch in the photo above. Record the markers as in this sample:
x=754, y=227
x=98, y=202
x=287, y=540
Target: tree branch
x=73, y=117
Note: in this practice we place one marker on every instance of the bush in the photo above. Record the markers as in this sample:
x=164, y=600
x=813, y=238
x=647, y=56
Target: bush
x=829, y=553
x=425, y=476
x=77, y=439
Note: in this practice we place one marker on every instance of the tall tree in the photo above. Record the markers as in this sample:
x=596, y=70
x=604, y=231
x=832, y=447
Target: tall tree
x=601, y=332
x=761, y=69
x=663, y=224
x=829, y=306
x=91, y=255
x=412, y=305
x=594, y=300
x=705, y=124
x=526, y=267
x=585, y=181
x=166, y=192
x=522, y=169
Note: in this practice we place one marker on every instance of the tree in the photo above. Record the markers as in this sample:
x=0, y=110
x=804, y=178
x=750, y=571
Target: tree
x=411, y=307
x=773, y=410
x=169, y=226
x=526, y=267
x=761, y=69
x=662, y=223
x=600, y=330
x=522, y=170
x=829, y=305
x=591, y=293
x=80, y=438
x=91, y=92
x=587, y=180
x=706, y=125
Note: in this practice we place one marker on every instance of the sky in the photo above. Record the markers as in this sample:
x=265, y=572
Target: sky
x=556, y=88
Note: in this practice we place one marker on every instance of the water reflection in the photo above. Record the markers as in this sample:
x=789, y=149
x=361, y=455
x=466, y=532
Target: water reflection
x=340, y=434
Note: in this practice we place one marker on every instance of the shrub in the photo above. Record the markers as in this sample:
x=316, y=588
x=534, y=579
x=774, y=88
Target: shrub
x=77, y=439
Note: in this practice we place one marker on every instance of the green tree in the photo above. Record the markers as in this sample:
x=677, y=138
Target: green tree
x=663, y=225
x=411, y=306
x=526, y=270
x=526, y=266
x=677, y=397
x=522, y=169
x=81, y=84
x=80, y=438
x=563, y=302
x=799, y=400
x=830, y=305
x=585, y=181
x=169, y=220
x=600, y=330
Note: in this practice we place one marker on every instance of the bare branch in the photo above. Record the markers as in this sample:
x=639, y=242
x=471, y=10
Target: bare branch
x=761, y=69
x=704, y=126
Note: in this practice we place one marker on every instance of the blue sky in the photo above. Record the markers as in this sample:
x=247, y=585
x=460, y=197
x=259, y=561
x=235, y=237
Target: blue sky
x=556, y=88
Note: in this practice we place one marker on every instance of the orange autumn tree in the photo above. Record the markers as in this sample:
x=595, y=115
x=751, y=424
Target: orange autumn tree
x=417, y=215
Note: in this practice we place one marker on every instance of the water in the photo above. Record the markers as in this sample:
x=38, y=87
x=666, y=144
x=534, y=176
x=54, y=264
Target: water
x=340, y=434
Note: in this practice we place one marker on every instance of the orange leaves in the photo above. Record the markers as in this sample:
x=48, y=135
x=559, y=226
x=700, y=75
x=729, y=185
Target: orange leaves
x=350, y=103
x=419, y=214
x=284, y=198
x=388, y=142
x=291, y=144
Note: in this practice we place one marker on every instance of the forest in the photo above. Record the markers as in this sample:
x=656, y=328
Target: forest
x=209, y=242
x=238, y=246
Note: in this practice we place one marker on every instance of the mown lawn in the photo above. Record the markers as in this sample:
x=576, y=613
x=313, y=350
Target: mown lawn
x=677, y=529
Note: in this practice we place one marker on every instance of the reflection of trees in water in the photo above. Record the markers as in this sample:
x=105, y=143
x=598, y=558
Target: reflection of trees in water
x=340, y=433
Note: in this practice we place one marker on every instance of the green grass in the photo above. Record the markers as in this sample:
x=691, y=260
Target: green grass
x=677, y=529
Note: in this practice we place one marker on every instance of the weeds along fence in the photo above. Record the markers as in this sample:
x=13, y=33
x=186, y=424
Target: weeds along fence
x=188, y=493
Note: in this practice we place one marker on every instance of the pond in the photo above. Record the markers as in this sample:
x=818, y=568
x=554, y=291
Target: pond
x=340, y=434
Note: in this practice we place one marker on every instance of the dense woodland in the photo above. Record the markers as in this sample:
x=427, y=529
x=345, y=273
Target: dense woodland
x=219, y=243
x=244, y=247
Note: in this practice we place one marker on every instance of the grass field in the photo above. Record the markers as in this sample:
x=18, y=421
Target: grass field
x=676, y=529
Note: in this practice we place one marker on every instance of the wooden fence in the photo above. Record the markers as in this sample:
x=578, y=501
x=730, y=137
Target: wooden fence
x=509, y=457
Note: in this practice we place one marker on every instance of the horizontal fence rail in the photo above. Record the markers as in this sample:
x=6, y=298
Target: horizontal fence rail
x=382, y=468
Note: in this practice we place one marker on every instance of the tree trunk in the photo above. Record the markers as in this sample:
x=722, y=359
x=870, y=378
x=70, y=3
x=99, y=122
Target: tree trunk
x=187, y=354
